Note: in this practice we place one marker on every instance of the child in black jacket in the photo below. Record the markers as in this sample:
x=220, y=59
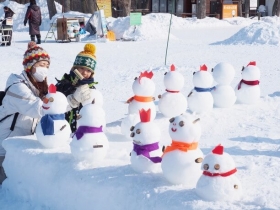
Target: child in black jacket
x=76, y=85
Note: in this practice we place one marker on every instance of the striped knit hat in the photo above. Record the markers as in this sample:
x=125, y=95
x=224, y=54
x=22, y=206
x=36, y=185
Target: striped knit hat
x=86, y=58
x=34, y=54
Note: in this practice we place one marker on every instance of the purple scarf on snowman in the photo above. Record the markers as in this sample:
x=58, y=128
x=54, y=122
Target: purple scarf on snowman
x=145, y=151
x=47, y=123
x=87, y=129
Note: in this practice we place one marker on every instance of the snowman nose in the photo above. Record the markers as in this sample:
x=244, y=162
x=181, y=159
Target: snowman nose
x=45, y=100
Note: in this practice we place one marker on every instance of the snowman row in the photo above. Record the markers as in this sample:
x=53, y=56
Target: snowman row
x=89, y=141
x=182, y=162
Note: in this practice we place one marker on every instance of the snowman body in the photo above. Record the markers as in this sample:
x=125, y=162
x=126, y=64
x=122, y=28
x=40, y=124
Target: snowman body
x=89, y=141
x=223, y=94
x=143, y=88
x=181, y=161
x=53, y=130
x=146, y=153
x=248, y=90
x=218, y=181
x=200, y=99
x=173, y=103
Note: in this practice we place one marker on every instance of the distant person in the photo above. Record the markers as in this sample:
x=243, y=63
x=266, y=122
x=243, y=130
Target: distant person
x=21, y=107
x=77, y=90
x=33, y=16
x=8, y=14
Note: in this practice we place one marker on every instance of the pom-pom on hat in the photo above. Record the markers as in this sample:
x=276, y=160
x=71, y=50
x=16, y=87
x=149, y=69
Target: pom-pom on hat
x=86, y=58
x=34, y=54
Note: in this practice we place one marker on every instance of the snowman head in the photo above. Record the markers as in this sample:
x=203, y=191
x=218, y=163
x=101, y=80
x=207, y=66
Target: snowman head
x=96, y=97
x=223, y=73
x=202, y=78
x=91, y=115
x=218, y=161
x=54, y=102
x=251, y=72
x=185, y=128
x=143, y=85
x=145, y=132
x=173, y=80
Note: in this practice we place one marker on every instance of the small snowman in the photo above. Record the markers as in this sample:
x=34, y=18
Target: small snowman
x=143, y=88
x=200, y=99
x=181, y=161
x=224, y=95
x=172, y=103
x=146, y=154
x=218, y=181
x=89, y=141
x=248, y=90
x=53, y=130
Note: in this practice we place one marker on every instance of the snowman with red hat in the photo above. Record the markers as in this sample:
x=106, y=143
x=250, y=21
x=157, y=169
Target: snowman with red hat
x=143, y=88
x=181, y=161
x=172, y=103
x=248, y=89
x=218, y=181
x=146, y=153
x=200, y=99
x=53, y=130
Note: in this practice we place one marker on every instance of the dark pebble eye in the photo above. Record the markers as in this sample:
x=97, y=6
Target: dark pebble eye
x=138, y=131
x=193, y=73
x=242, y=68
x=172, y=120
x=217, y=166
x=212, y=70
x=131, y=128
x=205, y=166
x=135, y=78
x=165, y=73
x=132, y=134
x=181, y=123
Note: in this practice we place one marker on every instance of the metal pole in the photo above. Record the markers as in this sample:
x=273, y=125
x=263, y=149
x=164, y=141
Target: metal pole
x=169, y=32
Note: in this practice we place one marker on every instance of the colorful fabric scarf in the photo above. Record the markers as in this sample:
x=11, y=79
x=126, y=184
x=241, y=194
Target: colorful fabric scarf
x=145, y=151
x=47, y=123
x=87, y=129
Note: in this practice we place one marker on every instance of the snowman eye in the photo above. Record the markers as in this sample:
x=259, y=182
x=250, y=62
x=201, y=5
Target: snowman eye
x=181, y=123
x=217, y=166
x=242, y=68
x=135, y=78
x=193, y=73
x=51, y=99
x=212, y=70
x=172, y=120
x=132, y=134
x=205, y=166
x=165, y=73
x=132, y=128
x=138, y=131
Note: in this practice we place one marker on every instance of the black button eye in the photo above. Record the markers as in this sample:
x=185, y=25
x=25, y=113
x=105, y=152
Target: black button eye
x=132, y=134
x=217, y=166
x=181, y=123
x=165, y=73
x=212, y=70
x=172, y=120
x=205, y=166
x=193, y=73
x=135, y=78
x=132, y=128
x=138, y=131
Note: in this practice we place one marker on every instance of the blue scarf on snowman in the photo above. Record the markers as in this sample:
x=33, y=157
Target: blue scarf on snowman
x=47, y=123
x=198, y=89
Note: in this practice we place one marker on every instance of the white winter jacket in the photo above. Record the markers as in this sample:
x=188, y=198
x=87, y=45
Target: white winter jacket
x=21, y=97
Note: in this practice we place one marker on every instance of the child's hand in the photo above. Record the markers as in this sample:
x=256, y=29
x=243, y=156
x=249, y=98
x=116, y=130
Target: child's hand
x=82, y=93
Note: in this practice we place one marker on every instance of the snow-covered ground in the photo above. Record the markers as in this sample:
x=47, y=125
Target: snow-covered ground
x=41, y=178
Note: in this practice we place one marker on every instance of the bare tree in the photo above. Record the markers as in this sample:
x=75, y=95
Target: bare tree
x=276, y=8
x=247, y=8
x=51, y=8
x=201, y=9
x=125, y=6
x=66, y=5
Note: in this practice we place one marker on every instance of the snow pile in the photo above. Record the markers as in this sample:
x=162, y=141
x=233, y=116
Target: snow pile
x=266, y=31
